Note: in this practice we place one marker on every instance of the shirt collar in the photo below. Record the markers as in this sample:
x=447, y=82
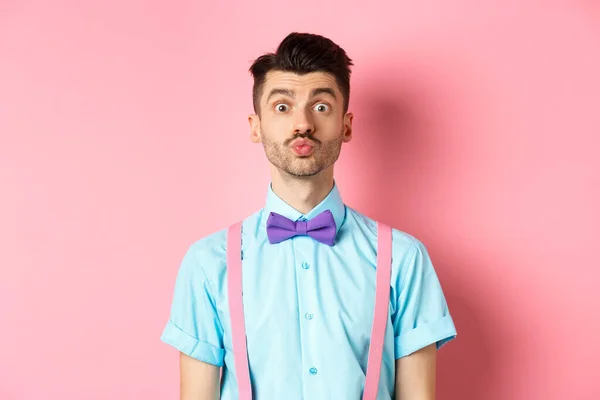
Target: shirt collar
x=332, y=202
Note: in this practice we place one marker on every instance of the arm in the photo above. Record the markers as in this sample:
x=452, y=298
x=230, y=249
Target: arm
x=422, y=325
x=194, y=328
x=198, y=380
x=415, y=375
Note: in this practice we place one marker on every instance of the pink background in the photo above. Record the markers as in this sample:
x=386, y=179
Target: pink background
x=124, y=139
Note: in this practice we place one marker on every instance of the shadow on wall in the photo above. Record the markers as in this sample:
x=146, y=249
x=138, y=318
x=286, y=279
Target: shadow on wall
x=396, y=157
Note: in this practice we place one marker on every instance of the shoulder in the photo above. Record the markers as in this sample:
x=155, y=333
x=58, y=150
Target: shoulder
x=210, y=247
x=406, y=247
x=402, y=241
x=210, y=251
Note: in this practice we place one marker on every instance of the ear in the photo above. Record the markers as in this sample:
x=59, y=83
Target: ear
x=254, y=121
x=347, y=133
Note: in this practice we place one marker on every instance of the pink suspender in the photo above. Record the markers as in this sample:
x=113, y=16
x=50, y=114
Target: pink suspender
x=382, y=302
x=236, y=310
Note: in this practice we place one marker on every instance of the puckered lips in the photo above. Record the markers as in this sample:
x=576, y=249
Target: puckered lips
x=302, y=147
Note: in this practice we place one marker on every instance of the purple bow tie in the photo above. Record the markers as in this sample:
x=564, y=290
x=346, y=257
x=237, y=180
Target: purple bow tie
x=321, y=228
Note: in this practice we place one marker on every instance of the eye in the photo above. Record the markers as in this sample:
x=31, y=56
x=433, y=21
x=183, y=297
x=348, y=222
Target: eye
x=322, y=107
x=281, y=107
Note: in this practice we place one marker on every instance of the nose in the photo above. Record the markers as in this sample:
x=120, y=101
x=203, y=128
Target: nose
x=303, y=123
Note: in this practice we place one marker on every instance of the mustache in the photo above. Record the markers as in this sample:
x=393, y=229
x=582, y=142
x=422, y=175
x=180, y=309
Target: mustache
x=305, y=135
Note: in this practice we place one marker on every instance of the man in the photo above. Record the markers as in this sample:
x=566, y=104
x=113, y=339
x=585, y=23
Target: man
x=308, y=297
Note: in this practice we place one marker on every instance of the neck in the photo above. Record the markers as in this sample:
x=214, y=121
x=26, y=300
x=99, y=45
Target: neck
x=302, y=193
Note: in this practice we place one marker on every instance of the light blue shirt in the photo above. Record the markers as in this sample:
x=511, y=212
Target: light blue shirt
x=308, y=307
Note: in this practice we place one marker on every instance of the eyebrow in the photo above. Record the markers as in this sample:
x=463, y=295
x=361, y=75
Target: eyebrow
x=284, y=92
x=327, y=90
x=292, y=94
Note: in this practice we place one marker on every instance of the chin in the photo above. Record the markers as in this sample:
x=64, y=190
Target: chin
x=303, y=172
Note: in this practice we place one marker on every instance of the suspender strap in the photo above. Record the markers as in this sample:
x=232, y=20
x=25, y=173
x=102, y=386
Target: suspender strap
x=382, y=302
x=238, y=327
x=236, y=310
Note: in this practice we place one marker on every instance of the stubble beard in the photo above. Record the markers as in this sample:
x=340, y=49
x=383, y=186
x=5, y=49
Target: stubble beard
x=282, y=157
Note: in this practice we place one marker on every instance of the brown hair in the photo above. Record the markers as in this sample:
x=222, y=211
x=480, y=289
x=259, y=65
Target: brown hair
x=303, y=53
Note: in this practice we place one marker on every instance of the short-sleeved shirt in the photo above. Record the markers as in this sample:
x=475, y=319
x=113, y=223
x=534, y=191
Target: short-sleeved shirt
x=308, y=306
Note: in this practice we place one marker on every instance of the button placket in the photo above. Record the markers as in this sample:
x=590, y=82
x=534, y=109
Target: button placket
x=308, y=303
x=307, y=315
x=310, y=321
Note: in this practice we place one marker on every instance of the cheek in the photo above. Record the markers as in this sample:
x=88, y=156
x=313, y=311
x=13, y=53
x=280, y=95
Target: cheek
x=267, y=131
x=274, y=126
x=331, y=125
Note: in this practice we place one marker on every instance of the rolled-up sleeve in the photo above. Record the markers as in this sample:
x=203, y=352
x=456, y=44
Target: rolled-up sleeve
x=421, y=317
x=193, y=326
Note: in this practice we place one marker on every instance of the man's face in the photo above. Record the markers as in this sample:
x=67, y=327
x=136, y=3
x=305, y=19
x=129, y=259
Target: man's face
x=301, y=122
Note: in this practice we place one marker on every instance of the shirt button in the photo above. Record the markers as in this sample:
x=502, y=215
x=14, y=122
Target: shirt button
x=308, y=315
x=305, y=265
x=313, y=371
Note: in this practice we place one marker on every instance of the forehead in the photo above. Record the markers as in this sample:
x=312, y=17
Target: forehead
x=301, y=84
